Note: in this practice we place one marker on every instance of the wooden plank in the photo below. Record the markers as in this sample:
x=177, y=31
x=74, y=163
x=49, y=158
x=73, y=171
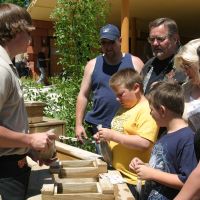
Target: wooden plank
x=122, y=192
x=77, y=163
x=61, y=156
x=47, y=189
x=81, y=196
x=106, y=186
x=68, y=188
x=85, y=164
x=85, y=172
x=73, y=180
x=46, y=124
x=35, y=119
x=75, y=152
x=103, y=168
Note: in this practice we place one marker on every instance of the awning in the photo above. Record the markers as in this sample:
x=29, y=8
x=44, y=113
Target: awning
x=41, y=9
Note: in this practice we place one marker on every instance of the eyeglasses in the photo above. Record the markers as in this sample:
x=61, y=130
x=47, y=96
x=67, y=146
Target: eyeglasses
x=159, y=38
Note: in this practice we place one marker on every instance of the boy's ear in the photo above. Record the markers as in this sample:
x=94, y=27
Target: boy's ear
x=162, y=110
x=136, y=87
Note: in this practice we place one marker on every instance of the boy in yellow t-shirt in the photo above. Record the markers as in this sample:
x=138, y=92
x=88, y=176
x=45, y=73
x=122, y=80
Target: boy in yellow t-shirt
x=133, y=130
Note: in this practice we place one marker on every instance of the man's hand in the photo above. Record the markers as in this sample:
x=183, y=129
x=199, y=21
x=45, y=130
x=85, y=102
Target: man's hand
x=80, y=133
x=41, y=141
x=34, y=155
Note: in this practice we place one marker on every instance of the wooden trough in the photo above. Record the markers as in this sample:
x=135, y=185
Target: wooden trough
x=78, y=191
x=79, y=168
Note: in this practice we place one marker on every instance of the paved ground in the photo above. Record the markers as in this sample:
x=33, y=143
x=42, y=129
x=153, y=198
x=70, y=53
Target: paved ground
x=39, y=176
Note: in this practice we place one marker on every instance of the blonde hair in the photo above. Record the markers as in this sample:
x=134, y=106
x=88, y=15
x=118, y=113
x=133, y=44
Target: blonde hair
x=188, y=53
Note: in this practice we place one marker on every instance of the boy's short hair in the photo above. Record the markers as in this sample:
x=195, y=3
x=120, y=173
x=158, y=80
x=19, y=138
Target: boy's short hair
x=169, y=95
x=126, y=77
x=13, y=19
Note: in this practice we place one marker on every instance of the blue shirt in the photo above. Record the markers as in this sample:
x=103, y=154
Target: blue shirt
x=173, y=153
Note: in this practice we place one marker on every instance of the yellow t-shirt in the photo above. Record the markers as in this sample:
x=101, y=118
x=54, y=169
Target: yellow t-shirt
x=134, y=121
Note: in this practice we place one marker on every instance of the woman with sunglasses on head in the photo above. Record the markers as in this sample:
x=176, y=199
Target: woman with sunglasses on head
x=188, y=59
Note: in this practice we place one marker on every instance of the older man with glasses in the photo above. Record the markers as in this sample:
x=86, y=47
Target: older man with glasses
x=165, y=42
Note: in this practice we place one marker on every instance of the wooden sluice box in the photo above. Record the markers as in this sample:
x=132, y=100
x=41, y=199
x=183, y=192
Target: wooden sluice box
x=79, y=168
x=79, y=180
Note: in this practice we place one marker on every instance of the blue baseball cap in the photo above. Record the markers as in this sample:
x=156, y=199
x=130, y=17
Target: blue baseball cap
x=110, y=32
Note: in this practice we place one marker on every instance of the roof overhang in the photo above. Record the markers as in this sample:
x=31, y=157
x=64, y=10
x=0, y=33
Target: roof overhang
x=41, y=9
x=185, y=13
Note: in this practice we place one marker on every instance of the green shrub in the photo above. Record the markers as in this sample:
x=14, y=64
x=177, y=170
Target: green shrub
x=76, y=25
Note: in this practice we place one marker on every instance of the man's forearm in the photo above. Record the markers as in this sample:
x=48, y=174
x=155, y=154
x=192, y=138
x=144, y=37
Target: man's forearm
x=80, y=110
x=9, y=138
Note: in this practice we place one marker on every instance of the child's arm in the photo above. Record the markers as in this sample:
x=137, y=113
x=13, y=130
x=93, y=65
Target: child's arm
x=191, y=189
x=145, y=172
x=129, y=141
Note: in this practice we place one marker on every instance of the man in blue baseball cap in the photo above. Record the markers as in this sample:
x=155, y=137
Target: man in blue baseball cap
x=96, y=80
x=109, y=32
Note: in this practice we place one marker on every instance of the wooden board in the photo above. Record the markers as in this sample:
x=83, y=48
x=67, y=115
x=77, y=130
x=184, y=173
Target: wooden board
x=73, y=180
x=75, y=152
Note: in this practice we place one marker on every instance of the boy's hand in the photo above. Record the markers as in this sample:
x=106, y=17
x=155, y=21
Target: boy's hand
x=144, y=172
x=135, y=162
x=106, y=134
x=96, y=137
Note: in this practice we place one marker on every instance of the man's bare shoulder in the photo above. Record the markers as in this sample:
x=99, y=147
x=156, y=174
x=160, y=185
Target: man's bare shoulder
x=90, y=65
x=138, y=63
x=91, y=62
